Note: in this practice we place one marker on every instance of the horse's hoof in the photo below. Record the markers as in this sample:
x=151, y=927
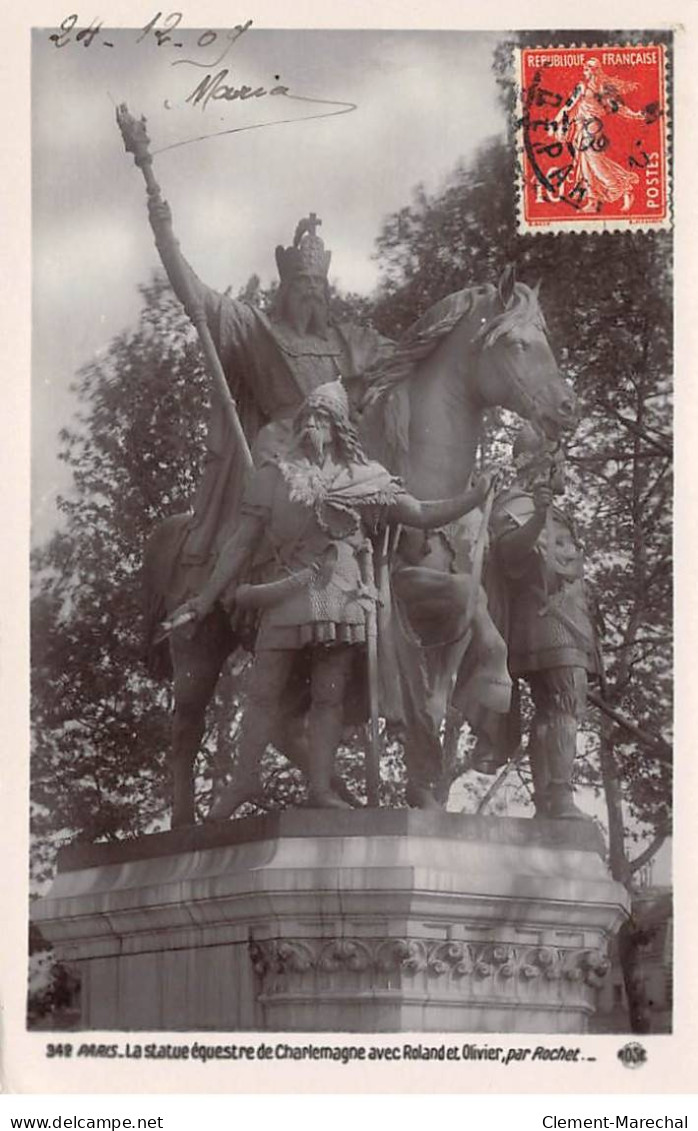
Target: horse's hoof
x=339, y=789
x=561, y=806
x=231, y=799
x=567, y=812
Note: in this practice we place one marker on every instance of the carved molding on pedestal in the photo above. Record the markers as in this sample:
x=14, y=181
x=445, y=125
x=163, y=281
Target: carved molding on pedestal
x=466, y=969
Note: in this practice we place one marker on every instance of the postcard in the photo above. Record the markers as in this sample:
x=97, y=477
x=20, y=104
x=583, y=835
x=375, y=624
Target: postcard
x=349, y=615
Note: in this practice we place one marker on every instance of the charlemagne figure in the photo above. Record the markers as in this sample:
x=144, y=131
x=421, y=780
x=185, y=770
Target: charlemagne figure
x=271, y=361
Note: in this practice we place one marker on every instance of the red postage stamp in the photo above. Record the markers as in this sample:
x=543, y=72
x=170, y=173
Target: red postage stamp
x=592, y=129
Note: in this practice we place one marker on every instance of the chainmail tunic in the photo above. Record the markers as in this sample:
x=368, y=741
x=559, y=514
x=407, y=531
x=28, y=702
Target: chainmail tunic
x=299, y=533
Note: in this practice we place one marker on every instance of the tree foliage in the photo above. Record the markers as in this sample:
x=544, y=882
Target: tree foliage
x=101, y=727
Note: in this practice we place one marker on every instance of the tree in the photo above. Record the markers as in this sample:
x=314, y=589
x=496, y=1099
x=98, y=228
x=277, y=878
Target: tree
x=99, y=743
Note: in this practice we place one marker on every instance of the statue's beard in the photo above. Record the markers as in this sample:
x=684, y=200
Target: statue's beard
x=310, y=316
x=313, y=443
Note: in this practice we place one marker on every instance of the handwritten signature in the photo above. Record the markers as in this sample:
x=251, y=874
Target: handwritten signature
x=214, y=87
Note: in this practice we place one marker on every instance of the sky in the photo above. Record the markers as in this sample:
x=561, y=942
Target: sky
x=424, y=101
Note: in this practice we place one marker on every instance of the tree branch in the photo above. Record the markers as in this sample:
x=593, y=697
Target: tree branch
x=640, y=433
x=652, y=849
x=662, y=749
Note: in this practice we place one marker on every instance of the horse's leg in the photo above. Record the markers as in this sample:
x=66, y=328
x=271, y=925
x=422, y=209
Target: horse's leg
x=197, y=664
x=449, y=772
x=268, y=679
x=423, y=768
x=490, y=687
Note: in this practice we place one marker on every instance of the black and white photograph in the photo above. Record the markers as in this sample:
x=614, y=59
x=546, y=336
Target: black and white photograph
x=352, y=593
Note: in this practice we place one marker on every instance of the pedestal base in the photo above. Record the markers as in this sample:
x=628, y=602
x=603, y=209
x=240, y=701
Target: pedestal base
x=318, y=921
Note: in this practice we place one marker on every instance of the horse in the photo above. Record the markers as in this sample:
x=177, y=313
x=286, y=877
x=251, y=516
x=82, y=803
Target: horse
x=422, y=416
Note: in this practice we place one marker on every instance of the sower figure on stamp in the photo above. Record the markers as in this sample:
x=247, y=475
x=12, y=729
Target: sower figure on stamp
x=598, y=177
x=538, y=562
x=305, y=521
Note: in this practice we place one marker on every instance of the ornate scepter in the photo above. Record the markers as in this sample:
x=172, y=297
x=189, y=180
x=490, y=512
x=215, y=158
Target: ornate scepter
x=137, y=142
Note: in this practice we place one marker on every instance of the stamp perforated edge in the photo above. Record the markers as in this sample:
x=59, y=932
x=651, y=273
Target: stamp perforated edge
x=588, y=226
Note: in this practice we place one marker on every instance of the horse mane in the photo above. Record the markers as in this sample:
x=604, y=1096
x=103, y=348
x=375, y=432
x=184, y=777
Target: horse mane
x=385, y=407
x=422, y=337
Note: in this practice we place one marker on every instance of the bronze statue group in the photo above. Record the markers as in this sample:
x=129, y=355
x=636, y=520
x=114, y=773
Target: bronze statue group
x=337, y=514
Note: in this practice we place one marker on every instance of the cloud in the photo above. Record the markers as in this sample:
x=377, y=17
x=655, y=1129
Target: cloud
x=424, y=101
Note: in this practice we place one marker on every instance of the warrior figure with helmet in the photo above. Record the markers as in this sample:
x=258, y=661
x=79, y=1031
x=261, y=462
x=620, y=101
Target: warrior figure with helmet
x=537, y=563
x=305, y=521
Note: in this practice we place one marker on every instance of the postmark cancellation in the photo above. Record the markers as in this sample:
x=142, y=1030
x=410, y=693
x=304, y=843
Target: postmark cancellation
x=593, y=128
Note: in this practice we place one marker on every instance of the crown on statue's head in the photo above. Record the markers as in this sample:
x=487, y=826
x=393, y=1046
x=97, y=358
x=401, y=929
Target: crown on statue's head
x=307, y=256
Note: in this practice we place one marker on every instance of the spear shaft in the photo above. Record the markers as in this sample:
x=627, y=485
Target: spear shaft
x=373, y=752
x=137, y=142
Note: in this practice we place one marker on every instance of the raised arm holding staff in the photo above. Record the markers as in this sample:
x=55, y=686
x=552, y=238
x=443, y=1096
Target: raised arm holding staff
x=181, y=276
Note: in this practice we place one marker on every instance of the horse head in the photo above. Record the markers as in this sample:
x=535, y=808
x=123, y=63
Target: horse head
x=516, y=368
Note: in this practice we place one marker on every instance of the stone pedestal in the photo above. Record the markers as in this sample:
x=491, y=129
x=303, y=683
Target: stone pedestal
x=318, y=921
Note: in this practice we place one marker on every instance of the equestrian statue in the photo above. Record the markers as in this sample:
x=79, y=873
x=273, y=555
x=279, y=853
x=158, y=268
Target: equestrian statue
x=390, y=565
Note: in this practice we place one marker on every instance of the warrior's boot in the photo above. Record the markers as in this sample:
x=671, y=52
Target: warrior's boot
x=291, y=740
x=561, y=750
